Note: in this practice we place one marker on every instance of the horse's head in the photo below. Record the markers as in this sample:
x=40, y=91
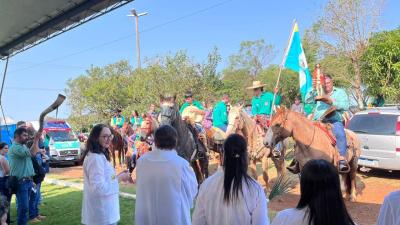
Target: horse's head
x=279, y=128
x=235, y=120
x=169, y=111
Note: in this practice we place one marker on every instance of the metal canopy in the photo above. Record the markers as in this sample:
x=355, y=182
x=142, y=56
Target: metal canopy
x=26, y=23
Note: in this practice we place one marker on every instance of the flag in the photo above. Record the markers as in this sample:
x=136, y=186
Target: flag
x=295, y=59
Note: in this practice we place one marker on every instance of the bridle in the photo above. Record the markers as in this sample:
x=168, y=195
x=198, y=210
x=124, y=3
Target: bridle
x=282, y=125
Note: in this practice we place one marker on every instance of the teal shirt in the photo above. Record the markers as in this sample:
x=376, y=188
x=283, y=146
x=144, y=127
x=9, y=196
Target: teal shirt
x=194, y=103
x=136, y=121
x=261, y=105
x=20, y=161
x=220, y=114
x=117, y=121
x=340, y=101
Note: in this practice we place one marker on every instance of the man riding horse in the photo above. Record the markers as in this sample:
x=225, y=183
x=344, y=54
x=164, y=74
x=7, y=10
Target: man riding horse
x=220, y=113
x=117, y=121
x=329, y=109
x=261, y=108
x=192, y=112
x=262, y=102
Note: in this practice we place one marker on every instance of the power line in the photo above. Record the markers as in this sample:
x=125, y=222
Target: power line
x=126, y=36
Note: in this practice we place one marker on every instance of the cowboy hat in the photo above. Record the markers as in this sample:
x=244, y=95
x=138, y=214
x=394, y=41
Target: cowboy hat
x=256, y=84
x=188, y=94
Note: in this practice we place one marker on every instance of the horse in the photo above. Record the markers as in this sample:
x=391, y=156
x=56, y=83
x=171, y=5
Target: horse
x=313, y=142
x=187, y=146
x=117, y=144
x=241, y=123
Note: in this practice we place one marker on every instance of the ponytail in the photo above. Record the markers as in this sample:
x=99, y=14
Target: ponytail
x=235, y=167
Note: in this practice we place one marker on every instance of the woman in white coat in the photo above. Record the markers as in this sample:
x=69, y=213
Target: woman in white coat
x=100, y=204
x=231, y=196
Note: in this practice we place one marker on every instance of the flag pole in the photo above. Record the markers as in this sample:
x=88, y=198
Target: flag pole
x=281, y=66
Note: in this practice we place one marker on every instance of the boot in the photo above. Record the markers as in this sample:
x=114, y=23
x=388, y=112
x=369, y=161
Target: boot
x=294, y=167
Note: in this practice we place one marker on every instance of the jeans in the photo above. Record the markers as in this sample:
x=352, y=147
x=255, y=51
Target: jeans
x=199, y=128
x=223, y=127
x=340, y=135
x=34, y=207
x=24, y=201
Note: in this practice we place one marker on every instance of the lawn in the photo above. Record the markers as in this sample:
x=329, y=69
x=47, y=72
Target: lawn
x=62, y=206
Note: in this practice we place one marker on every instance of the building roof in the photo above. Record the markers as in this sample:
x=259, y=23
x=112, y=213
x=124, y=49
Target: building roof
x=24, y=24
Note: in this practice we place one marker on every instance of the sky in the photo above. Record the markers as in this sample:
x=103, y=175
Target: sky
x=36, y=76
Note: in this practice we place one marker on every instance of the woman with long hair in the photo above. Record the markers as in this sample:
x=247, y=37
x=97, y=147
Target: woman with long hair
x=321, y=201
x=100, y=204
x=231, y=196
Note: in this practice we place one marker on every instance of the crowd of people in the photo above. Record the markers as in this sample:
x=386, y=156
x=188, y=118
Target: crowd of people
x=167, y=189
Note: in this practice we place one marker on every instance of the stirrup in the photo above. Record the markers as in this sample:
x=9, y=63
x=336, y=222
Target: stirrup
x=294, y=167
x=276, y=153
x=346, y=164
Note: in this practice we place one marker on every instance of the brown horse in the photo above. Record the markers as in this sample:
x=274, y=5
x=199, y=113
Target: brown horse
x=117, y=144
x=313, y=143
x=240, y=122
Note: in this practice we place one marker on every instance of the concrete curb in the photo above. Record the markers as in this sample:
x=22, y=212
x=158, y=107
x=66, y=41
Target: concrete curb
x=80, y=186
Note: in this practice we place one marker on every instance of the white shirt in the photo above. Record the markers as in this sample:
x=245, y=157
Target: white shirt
x=100, y=204
x=291, y=216
x=390, y=210
x=250, y=208
x=165, y=189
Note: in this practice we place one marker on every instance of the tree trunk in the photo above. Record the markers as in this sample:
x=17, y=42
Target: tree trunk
x=357, y=79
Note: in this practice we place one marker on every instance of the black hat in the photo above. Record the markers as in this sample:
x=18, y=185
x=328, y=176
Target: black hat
x=188, y=94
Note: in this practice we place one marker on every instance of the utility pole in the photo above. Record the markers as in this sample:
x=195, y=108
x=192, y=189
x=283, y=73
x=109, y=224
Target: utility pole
x=134, y=14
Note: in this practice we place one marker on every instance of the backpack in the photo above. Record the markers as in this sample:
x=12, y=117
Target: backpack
x=39, y=171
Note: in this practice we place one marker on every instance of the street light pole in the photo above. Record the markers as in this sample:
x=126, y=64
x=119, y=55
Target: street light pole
x=134, y=14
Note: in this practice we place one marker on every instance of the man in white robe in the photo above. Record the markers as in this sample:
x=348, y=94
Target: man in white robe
x=166, y=184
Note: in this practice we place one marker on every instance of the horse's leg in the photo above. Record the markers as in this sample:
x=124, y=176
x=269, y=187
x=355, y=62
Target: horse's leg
x=204, y=166
x=265, y=171
x=353, y=180
x=197, y=171
x=253, y=169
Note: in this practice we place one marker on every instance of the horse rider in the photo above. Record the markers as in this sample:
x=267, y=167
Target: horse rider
x=198, y=109
x=117, y=121
x=262, y=102
x=220, y=113
x=329, y=109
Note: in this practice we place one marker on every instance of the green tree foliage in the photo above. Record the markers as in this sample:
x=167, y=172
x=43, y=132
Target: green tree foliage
x=253, y=56
x=381, y=65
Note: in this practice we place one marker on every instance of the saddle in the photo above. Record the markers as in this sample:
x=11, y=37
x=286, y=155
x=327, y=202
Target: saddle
x=216, y=135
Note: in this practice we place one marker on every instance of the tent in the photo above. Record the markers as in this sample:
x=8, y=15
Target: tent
x=25, y=24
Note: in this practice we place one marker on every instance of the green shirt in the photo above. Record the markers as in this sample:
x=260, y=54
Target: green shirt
x=117, y=121
x=136, y=121
x=262, y=104
x=220, y=114
x=194, y=103
x=20, y=161
x=339, y=99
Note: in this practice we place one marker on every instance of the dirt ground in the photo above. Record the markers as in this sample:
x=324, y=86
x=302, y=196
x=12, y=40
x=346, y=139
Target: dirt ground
x=373, y=186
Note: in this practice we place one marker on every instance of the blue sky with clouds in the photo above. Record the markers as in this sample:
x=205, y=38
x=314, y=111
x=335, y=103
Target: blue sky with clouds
x=37, y=75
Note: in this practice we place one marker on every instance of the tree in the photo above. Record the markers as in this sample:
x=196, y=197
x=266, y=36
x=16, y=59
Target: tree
x=346, y=27
x=253, y=56
x=381, y=65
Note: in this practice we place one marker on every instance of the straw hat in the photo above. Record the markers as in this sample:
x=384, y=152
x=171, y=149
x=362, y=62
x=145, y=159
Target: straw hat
x=256, y=84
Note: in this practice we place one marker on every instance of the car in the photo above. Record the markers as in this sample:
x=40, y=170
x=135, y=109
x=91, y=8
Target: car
x=379, y=132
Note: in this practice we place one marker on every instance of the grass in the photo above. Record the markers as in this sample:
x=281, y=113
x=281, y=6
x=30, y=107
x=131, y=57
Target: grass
x=63, y=206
